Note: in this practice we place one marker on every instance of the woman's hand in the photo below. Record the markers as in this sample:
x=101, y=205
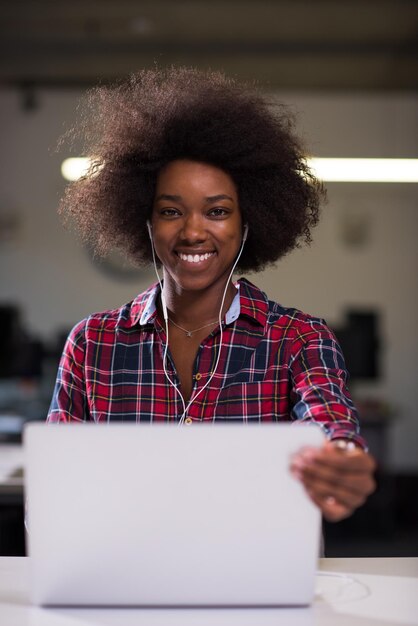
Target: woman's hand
x=337, y=480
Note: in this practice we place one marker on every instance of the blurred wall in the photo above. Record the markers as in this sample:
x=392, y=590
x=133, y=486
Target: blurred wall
x=45, y=270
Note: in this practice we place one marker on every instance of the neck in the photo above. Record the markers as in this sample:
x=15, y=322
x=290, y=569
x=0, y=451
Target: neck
x=195, y=308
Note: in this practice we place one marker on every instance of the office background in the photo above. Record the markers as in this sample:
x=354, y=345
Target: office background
x=349, y=70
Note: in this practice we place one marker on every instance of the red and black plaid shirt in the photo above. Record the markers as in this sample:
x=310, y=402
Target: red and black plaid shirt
x=276, y=364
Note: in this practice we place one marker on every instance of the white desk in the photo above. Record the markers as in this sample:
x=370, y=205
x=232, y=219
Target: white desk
x=374, y=592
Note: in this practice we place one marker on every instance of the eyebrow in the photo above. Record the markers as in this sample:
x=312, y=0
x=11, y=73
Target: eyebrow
x=221, y=196
x=166, y=196
x=208, y=200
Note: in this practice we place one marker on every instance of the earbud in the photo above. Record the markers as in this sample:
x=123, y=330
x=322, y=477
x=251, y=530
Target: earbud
x=245, y=233
x=163, y=302
x=149, y=227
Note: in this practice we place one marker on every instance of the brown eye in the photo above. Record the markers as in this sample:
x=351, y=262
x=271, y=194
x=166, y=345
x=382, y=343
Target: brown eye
x=218, y=212
x=169, y=212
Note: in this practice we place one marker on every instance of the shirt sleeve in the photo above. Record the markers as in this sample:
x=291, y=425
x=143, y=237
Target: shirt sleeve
x=69, y=400
x=319, y=378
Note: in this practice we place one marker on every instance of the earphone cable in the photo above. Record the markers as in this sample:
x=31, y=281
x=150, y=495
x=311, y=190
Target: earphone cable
x=165, y=315
x=193, y=398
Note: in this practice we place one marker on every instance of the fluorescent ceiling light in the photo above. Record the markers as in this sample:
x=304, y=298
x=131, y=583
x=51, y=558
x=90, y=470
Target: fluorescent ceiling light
x=331, y=170
x=365, y=170
x=75, y=168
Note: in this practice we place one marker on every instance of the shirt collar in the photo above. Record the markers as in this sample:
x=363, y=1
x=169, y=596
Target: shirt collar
x=248, y=301
x=253, y=302
x=144, y=307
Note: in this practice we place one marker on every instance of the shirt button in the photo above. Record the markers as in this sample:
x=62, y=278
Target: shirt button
x=188, y=421
x=198, y=376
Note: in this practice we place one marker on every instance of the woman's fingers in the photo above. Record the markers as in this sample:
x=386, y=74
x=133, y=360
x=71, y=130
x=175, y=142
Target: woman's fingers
x=336, y=477
x=341, y=493
x=338, y=481
x=331, y=509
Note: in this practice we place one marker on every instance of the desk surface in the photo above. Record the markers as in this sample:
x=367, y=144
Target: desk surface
x=350, y=592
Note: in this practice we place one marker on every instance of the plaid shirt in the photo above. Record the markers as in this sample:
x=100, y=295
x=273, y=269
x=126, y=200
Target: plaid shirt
x=276, y=364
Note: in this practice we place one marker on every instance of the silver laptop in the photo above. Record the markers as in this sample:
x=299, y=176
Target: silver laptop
x=133, y=514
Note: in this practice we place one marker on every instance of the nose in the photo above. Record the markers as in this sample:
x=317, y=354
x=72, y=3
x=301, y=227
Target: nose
x=193, y=229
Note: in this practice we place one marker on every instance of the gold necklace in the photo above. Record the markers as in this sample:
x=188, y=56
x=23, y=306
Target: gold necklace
x=189, y=333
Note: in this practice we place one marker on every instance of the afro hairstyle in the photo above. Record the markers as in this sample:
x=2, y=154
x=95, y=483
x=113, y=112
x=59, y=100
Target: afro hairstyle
x=133, y=128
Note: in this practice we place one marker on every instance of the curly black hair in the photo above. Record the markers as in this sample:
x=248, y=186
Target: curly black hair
x=132, y=129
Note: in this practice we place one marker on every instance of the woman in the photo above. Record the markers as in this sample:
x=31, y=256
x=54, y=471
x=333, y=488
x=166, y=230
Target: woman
x=200, y=174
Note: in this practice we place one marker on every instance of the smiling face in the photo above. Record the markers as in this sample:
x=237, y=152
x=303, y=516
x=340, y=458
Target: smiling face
x=196, y=223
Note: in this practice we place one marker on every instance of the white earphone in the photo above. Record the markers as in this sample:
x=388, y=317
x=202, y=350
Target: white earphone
x=149, y=227
x=163, y=302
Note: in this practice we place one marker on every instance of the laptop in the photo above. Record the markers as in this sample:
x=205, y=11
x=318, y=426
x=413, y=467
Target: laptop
x=157, y=515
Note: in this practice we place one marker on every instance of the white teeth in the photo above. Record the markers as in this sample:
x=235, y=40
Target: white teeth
x=195, y=258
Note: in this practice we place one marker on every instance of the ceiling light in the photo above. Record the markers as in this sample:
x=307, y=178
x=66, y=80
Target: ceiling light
x=365, y=170
x=74, y=168
x=329, y=170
